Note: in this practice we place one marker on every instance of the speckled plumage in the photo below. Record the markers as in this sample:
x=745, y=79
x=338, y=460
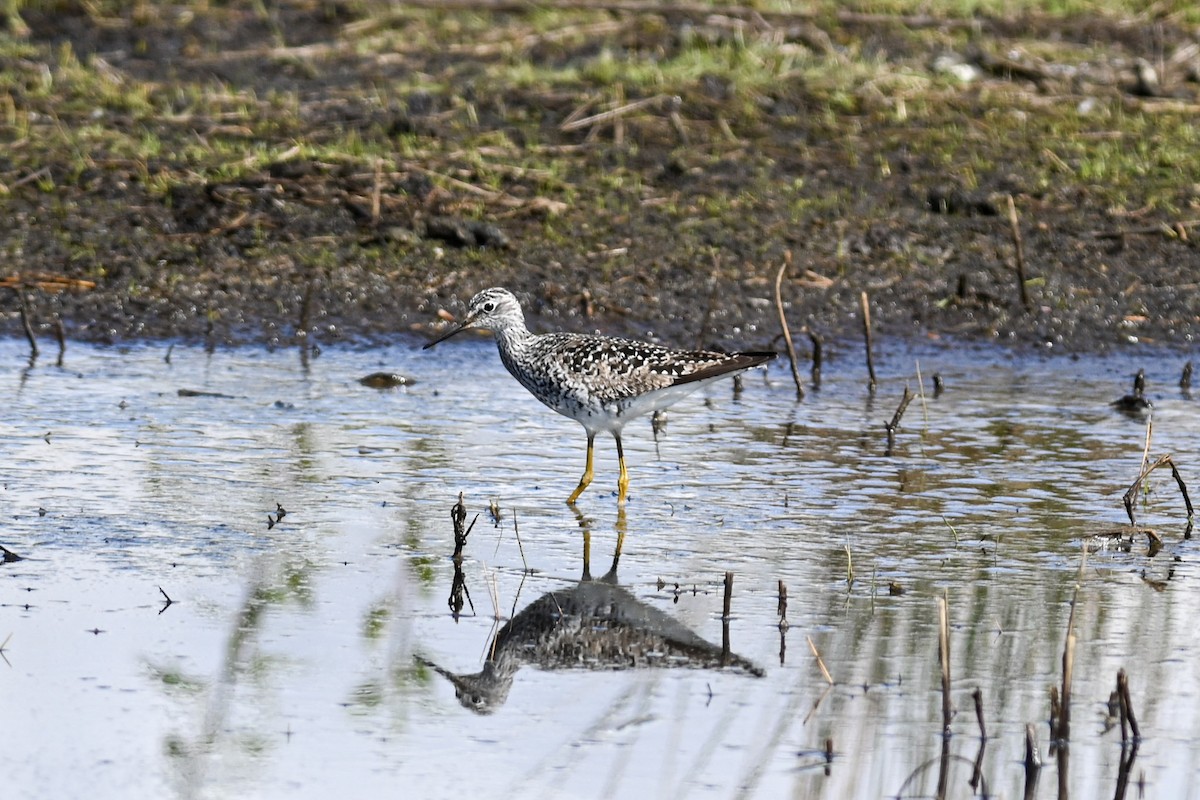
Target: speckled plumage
x=600, y=381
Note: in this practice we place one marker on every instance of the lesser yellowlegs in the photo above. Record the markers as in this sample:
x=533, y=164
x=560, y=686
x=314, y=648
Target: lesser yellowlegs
x=601, y=382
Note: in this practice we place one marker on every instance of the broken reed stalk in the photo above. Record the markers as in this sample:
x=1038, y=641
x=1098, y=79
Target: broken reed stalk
x=725, y=615
x=866, y=320
x=61, y=334
x=1146, y=442
x=782, y=608
x=944, y=657
x=816, y=359
x=27, y=325
x=1020, y=252
x=783, y=324
x=977, y=696
x=1033, y=756
x=1185, y=380
x=820, y=662
x=517, y=533
x=1131, y=493
x=458, y=518
x=1126, y=706
x=1063, y=732
x=895, y=417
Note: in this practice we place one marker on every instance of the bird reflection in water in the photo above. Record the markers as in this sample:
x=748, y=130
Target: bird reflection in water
x=594, y=625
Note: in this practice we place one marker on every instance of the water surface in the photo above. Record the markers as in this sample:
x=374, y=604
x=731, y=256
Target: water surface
x=294, y=659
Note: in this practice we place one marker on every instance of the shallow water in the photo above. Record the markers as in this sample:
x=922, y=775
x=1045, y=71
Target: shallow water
x=294, y=659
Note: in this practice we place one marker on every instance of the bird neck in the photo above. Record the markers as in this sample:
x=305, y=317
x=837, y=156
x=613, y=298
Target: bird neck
x=512, y=336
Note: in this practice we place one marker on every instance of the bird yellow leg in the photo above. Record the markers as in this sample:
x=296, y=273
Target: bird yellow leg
x=587, y=472
x=623, y=479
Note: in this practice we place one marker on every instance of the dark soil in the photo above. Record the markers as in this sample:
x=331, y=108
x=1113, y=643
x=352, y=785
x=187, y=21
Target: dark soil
x=218, y=231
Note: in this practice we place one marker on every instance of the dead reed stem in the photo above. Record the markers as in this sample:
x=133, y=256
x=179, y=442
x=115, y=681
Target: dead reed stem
x=60, y=334
x=1131, y=494
x=944, y=657
x=783, y=324
x=895, y=421
x=866, y=320
x=783, y=604
x=1063, y=733
x=816, y=359
x=1127, y=715
x=1020, y=253
x=26, y=324
x=977, y=696
x=820, y=662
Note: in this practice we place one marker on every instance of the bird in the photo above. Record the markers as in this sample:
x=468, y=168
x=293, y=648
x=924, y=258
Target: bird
x=601, y=382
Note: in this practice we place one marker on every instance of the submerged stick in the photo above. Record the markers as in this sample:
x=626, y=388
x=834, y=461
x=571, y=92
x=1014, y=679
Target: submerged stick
x=866, y=320
x=787, y=334
x=1020, y=251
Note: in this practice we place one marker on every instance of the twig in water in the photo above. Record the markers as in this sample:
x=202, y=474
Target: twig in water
x=816, y=359
x=820, y=662
x=26, y=324
x=952, y=529
x=1063, y=733
x=895, y=422
x=866, y=320
x=1020, y=249
x=725, y=613
x=725, y=618
x=977, y=696
x=849, y=569
x=1033, y=756
x=782, y=608
x=520, y=547
x=458, y=517
x=1185, y=380
x=1126, y=707
x=787, y=334
x=1146, y=443
x=1131, y=492
x=60, y=334
x=165, y=597
x=944, y=658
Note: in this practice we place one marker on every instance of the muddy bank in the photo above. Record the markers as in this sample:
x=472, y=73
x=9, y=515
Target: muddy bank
x=345, y=172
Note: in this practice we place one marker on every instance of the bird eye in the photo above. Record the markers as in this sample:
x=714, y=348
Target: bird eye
x=489, y=307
